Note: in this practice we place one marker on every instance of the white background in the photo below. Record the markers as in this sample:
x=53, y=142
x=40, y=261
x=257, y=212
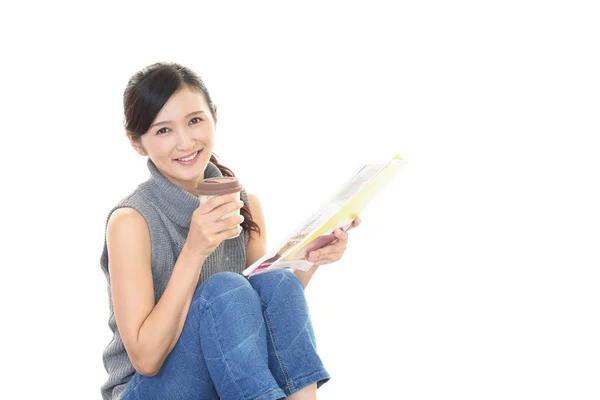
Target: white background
x=474, y=275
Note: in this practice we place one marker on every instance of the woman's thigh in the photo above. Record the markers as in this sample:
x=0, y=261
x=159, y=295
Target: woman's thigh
x=184, y=373
x=222, y=350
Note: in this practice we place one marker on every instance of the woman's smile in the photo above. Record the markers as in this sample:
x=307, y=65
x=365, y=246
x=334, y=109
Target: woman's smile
x=189, y=160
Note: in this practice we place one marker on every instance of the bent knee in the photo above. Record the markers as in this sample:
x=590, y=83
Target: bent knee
x=220, y=283
x=279, y=281
x=226, y=278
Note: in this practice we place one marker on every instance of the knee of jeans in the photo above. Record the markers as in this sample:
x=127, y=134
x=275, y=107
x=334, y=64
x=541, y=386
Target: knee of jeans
x=279, y=281
x=220, y=283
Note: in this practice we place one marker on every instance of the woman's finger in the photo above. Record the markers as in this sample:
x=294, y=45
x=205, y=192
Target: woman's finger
x=329, y=258
x=341, y=235
x=355, y=223
x=338, y=248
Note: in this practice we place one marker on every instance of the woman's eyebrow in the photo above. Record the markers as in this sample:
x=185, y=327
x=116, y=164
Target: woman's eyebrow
x=187, y=116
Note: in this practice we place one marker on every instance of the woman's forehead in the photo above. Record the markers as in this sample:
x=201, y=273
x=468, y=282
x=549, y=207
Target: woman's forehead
x=183, y=102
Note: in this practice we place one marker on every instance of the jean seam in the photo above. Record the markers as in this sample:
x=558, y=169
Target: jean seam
x=208, y=308
x=276, y=347
x=302, y=378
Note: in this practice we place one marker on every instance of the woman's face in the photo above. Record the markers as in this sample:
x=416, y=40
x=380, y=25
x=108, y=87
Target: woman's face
x=183, y=127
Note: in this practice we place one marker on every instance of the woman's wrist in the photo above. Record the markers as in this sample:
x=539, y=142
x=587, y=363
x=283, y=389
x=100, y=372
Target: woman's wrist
x=191, y=257
x=305, y=276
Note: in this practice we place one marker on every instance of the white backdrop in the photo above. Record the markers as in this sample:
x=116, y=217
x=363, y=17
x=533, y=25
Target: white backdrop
x=474, y=276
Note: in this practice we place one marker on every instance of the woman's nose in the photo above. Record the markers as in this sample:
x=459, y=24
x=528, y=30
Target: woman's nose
x=184, y=140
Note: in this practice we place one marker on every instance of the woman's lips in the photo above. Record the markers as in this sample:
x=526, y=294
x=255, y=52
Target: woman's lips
x=190, y=162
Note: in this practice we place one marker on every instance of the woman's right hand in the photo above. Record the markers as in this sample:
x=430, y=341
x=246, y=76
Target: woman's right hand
x=203, y=238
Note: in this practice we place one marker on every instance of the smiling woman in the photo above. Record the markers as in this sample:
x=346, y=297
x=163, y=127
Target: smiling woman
x=186, y=323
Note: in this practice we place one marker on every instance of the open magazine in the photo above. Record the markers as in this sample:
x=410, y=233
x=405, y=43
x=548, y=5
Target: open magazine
x=338, y=212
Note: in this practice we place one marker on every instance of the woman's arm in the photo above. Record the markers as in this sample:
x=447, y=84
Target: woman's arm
x=257, y=245
x=149, y=331
x=305, y=276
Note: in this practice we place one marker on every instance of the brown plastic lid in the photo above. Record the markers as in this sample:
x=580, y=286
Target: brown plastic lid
x=218, y=186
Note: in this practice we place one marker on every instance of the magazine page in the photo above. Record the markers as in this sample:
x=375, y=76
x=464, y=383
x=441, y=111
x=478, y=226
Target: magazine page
x=339, y=212
x=324, y=213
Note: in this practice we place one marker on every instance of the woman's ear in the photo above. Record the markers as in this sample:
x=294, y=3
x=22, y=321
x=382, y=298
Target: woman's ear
x=137, y=145
x=215, y=118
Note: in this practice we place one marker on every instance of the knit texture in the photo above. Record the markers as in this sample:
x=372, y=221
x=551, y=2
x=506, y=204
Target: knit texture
x=168, y=211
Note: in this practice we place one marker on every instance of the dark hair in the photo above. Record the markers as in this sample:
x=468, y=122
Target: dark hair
x=147, y=92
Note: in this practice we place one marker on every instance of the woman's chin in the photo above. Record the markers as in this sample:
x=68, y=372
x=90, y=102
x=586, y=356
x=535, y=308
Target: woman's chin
x=190, y=174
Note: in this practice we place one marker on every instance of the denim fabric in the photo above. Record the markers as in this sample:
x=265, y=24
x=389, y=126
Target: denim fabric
x=242, y=339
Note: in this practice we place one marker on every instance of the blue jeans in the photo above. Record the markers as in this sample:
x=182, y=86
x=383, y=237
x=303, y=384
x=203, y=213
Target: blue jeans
x=242, y=339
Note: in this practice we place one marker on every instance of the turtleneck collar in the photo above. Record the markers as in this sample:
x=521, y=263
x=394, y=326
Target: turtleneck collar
x=175, y=202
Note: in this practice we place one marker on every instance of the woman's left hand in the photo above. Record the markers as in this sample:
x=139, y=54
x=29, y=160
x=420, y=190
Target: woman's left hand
x=335, y=250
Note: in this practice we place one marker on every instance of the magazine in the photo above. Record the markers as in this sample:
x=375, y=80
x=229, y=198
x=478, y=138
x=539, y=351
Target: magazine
x=338, y=212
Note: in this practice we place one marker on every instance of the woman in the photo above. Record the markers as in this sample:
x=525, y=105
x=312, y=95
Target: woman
x=186, y=323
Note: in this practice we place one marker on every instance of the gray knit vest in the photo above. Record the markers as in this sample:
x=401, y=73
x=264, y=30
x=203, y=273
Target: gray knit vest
x=168, y=211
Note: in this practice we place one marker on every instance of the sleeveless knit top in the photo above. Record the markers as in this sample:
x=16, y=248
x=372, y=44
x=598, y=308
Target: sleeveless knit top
x=168, y=211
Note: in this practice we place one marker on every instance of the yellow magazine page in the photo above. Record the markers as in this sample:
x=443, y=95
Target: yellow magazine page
x=337, y=212
x=345, y=215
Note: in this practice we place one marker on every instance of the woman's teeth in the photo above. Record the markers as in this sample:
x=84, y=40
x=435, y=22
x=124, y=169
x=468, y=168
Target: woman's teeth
x=190, y=157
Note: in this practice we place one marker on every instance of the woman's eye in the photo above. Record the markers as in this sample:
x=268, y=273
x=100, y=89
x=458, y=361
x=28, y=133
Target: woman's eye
x=195, y=118
x=161, y=131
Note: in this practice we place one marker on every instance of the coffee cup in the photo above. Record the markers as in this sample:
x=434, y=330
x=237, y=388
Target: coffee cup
x=218, y=186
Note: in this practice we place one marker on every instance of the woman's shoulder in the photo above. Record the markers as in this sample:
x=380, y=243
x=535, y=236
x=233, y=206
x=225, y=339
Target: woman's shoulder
x=135, y=205
x=126, y=222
